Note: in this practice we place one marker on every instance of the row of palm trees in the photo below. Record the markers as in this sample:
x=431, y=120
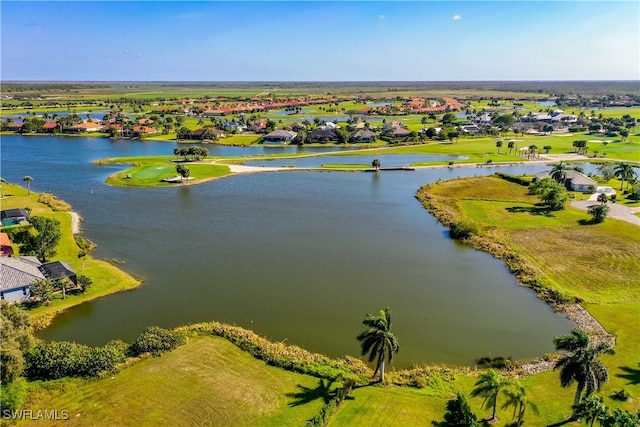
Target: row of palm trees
x=578, y=364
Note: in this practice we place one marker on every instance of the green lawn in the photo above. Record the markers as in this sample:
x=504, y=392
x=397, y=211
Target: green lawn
x=208, y=381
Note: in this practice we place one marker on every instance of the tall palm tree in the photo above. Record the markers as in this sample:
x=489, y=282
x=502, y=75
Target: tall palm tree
x=376, y=164
x=28, y=180
x=518, y=399
x=580, y=364
x=559, y=172
x=603, y=198
x=498, y=145
x=488, y=386
x=624, y=172
x=378, y=340
x=510, y=145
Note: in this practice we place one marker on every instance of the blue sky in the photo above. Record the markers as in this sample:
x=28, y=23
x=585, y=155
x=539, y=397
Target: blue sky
x=320, y=41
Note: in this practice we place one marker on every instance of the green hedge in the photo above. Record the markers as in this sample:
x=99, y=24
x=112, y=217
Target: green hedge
x=156, y=340
x=54, y=360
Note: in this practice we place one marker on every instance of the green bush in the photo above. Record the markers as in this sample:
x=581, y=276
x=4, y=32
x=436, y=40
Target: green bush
x=13, y=395
x=156, y=340
x=54, y=360
x=525, y=181
x=462, y=230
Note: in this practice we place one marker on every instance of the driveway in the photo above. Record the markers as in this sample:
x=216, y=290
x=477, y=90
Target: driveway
x=615, y=210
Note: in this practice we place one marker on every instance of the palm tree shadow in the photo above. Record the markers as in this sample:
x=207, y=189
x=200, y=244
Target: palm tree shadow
x=633, y=375
x=533, y=210
x=305, y=395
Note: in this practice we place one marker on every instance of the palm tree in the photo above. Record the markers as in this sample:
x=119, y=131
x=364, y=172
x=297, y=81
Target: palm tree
x=518, y=399
x=488, y=386
x=624, y=172
x=581, y=364
x=603, y=198
x=376, y=164
x=559, y=173
x=28, y=180
x=498, y=145
x=510, y=145
x=378, y=340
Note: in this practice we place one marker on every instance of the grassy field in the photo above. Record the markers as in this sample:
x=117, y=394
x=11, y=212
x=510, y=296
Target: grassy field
x=208, y=381
x=107, y=278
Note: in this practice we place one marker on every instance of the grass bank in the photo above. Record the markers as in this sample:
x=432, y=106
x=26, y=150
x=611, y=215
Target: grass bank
x=208, y=381
x=107, y=278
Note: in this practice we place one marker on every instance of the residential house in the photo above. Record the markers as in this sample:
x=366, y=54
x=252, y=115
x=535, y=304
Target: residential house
x=58, y=271
x=576, y=181
x=484, y=119
x=84, y=127
x=391, y=126
x=297, y=127
x=398, y=133
x=50, y=127
x=13, y=127
x=17, y=276
x=470, y=129
x=138, y=131
x=320, y=135
x=363, y=135
x=207, y=132
x=5, y=245
x=279, y=137
x=14, y=216
x=260, y=126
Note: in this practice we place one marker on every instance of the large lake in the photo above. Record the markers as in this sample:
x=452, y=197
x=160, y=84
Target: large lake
x=296, y=256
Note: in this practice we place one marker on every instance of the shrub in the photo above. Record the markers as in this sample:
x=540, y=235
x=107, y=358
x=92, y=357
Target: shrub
x=496, y=362
x=525, y=181
x=598, y=213
x=156, y=340
x=13, y=395
x=621, y=395
x=462, y=230
x=56, y=360
x=54, y=203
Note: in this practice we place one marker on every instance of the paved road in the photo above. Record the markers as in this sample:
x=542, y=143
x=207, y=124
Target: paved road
x=615, y=210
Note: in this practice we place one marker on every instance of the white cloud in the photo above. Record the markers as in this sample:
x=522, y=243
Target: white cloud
x=457, y=17
x=381, y=17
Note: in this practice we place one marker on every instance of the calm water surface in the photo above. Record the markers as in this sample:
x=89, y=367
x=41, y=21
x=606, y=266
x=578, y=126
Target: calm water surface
x=296, y=256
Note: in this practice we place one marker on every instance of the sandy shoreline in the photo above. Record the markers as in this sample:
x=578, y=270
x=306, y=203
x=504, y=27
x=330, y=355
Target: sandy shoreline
x=75, y=222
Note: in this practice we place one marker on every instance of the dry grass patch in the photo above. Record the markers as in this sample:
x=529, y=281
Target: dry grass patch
x=598, y=264
x=483, y=188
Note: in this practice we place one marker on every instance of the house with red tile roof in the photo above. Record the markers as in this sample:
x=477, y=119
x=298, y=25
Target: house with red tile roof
x=5, y=245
